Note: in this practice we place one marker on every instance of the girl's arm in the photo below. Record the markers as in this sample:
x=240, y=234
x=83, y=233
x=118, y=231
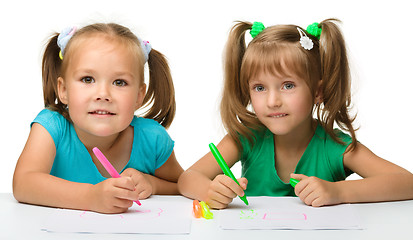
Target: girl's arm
x=164, y=182
x=166, y=177
x=382, y=181
x=32, y=182
x=201, y=182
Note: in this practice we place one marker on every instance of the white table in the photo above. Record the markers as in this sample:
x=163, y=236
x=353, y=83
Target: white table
x=390, y=220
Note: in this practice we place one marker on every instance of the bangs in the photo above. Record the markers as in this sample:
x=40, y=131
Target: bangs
x=80, y=38
x=277, y=59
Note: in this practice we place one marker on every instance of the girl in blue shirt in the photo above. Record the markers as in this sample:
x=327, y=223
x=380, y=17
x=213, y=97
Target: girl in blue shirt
x=93, y=82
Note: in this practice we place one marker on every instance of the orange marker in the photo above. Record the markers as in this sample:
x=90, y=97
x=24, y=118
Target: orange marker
x=197, y=209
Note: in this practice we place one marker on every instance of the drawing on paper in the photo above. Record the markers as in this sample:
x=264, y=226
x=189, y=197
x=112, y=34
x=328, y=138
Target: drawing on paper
x=248, y=214
x=272, y=216
x=148, y=214
x=154, y=217
x=136, y=214
x=287, y=213
x=284, y=216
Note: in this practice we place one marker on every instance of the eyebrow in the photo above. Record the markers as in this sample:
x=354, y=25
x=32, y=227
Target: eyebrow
x=86, y=71
x=82, y=71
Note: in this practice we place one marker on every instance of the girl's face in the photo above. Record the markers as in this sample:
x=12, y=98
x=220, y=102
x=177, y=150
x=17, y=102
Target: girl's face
x=282, y=103
x=101, y=86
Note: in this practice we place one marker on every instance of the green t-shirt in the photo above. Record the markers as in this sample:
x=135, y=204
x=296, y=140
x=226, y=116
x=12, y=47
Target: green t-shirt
x=323, y=158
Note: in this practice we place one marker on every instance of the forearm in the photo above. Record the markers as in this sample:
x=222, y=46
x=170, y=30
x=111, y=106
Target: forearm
x=161, y=186
x=47, y=190
x=388, y=187
x=194, y=185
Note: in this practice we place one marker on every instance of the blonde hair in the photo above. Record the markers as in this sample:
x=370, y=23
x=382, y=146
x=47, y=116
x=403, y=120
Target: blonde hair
x=277, y=49
x=160, y=94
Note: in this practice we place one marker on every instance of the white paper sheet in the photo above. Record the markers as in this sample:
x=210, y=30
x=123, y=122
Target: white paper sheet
x=286, y=213
x=153, y=217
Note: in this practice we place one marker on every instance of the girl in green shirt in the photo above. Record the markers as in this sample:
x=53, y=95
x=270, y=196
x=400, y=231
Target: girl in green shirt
x=283, y=95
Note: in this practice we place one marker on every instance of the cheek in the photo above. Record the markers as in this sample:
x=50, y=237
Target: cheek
x=129, y=102
x=76, y=98
x=256, y=104
x=302, y=104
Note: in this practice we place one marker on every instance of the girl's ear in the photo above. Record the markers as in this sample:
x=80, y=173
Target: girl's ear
x=62, y=90
x=319, y=93
x=141, y=96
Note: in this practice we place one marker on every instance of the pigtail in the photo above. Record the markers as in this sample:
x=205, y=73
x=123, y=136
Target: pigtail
x=336, y=84
x=51, y=70
x=236, y=119
x=161, y=90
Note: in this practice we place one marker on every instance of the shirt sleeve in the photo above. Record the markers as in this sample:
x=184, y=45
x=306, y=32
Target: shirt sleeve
x=53, y=122
x=153, y=145
x=165, y=146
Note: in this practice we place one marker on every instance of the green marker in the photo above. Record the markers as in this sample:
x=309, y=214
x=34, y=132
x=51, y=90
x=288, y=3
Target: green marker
x=225, y=167
x=294, y=182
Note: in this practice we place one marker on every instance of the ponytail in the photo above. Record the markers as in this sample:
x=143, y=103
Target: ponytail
x=51, y=70
x=236, y=119
x=336, y=84
x=161, y=90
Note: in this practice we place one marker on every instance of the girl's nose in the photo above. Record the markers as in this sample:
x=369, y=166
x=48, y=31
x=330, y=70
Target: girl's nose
x=103, y=93
x=274, y=100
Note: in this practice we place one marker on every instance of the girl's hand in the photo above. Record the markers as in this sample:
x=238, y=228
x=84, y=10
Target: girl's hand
x=316, y=192
x=223, y=189
x=114, y=195
x=142, y=185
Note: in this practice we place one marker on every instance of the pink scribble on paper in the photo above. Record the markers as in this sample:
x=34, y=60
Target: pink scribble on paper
x=285, y=216
x=142, y=215
x=160, y=211
x=142, y=211
x=150, y=213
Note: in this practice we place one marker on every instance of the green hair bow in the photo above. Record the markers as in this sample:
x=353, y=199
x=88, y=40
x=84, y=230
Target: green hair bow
x=256, y=28
x=314, y=30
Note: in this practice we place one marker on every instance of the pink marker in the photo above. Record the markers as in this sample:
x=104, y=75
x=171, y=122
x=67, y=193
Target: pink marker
x=106, y=164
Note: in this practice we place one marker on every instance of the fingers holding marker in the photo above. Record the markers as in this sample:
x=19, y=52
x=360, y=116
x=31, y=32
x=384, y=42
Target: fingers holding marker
x=224, y=166
x=227, y=187
x=108, y=166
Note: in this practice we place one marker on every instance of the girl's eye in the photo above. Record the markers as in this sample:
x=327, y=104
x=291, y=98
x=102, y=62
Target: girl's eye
x=288, y=86
x=119, y=83
x=259, y=88
x=88, y=80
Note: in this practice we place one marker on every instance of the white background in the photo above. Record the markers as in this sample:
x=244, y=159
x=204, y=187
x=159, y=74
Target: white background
x=192, y=35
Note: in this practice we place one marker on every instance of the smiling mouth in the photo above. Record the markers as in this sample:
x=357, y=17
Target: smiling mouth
x=101, y=112
x=278, y=115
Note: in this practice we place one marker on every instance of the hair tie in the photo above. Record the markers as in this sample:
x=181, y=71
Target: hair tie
x=146, y=48
x=256, y=28
x=314, y=30
x=63, y=38
x=305, y=41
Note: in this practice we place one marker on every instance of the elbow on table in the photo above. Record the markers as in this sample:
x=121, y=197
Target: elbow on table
x=17, y=190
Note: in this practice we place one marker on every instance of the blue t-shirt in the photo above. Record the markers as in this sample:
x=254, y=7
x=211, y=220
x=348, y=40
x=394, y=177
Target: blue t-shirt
x=151, y=147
